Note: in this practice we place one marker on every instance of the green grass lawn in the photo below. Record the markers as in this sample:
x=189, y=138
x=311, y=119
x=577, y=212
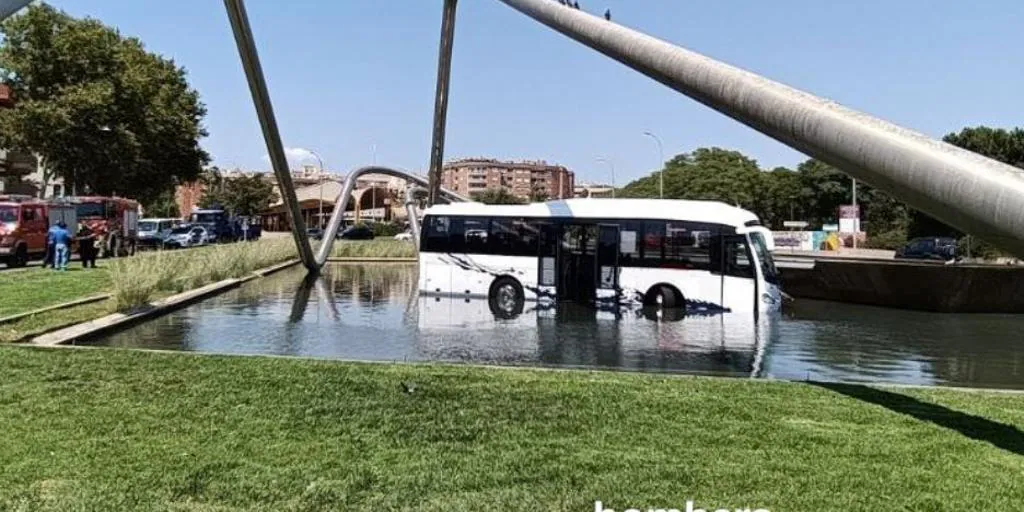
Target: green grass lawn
x=37, y=287
x=119, y=430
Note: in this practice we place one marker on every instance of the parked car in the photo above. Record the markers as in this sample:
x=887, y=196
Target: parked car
x=186, y=236
x=357, y=233
x=405, y=236
x=315, y=233
x=152, y=232
x=928, y=248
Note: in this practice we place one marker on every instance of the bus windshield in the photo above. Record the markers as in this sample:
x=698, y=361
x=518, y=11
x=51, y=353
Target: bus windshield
x=764, y=258
x=86, y=210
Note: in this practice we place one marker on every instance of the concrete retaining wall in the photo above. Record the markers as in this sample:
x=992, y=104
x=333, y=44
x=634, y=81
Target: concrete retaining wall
x=943, y=288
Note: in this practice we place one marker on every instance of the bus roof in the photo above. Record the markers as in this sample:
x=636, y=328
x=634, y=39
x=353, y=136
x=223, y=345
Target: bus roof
x=602, y=208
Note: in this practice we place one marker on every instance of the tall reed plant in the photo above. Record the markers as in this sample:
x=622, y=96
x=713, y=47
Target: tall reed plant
x=378, y=248
x=138, y=280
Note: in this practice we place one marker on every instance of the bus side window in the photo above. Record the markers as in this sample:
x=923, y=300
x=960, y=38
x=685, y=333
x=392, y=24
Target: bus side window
x=508, y=237
x=435, y=236
x=737, y=259
x=470, y=235
x=686, y=246
x=629, y=242
x=653, y=242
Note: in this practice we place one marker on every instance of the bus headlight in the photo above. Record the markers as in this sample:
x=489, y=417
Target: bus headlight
x=767, y=299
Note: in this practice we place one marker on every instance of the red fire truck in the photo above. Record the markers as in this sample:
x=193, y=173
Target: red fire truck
x=114, y=220
x=24, y=222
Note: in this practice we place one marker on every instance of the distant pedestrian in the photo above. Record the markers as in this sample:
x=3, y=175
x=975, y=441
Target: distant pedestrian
x=608, y=14
x=86, y=246
x=61, y=239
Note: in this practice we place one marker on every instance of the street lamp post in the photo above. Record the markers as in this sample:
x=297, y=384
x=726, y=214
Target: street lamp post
x=612, y=167
x=373, y=187
x=320, y=214
x=856, y=220
x=661, y=173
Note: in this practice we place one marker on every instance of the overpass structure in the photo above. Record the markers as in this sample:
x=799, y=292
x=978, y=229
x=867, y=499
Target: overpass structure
x=973, y=193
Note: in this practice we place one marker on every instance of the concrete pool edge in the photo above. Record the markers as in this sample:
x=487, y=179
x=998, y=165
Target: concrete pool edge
x=370, y=259
x=55, y=307
x=161, y=307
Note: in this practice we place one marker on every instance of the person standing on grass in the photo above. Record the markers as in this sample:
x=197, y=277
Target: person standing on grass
x=48, y=260
x=51, y=248
x=86, y=246
x=61, y=240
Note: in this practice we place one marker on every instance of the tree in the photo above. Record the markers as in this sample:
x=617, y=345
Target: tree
x=245, y=195
x=102, y=112
x=163, y=206
x=1007, y=146
x=713, y=174
x=497, y=196
x=539, y=197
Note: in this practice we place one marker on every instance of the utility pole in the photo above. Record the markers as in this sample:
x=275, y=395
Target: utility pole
x=856, y=221
x=373, y=187
x=444, y=72
x=661, y=173
x=320, y=214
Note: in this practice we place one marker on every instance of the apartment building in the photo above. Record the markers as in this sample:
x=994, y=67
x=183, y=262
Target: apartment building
x=525, y=179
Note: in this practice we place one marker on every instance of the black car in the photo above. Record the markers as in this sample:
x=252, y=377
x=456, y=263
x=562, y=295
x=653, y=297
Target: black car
x=315, y=233
x=929, y=248
x=357, y=233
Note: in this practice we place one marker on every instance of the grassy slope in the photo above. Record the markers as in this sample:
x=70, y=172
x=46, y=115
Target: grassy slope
x=36, y=288
x=111, y=430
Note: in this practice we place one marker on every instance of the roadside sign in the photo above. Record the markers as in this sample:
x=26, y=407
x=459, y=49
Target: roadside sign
x=830, y=227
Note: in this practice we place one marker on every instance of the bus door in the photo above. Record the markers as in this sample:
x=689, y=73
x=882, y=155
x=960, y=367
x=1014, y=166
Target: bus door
x=576, y=263
x=547, y=270
x=739, y=283
x=606, y=258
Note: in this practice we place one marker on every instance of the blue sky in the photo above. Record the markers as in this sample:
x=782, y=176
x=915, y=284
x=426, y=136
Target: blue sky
x=348, y=75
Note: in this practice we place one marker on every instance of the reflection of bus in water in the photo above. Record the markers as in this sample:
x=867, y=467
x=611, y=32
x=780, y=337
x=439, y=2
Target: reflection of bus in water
x=466, y=329
x=699, y=256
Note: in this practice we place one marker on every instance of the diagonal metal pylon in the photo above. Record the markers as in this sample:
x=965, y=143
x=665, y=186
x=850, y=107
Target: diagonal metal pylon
x=265, y=111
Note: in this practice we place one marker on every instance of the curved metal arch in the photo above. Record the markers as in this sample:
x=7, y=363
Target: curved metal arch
x=346, y=194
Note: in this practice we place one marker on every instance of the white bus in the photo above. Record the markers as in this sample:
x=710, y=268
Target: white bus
x=701, y=256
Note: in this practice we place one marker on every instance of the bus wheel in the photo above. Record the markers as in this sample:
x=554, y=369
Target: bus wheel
x=663, y=296
x=506, y=297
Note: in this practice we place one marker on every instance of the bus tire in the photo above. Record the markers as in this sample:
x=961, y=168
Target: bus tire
x=664, y=296
x=506, y=297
